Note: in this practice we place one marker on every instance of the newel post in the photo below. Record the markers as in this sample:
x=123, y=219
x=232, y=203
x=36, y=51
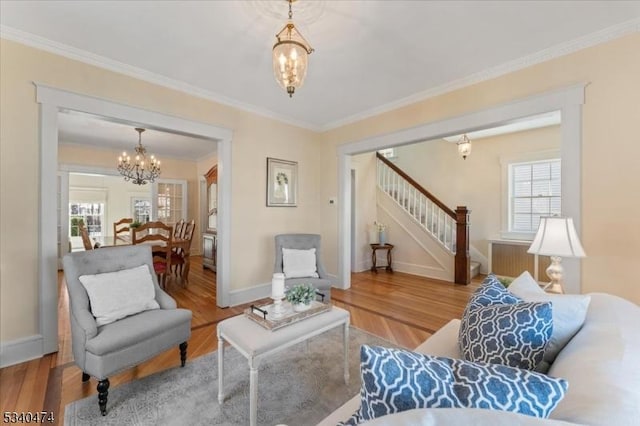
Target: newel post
x=463, y=260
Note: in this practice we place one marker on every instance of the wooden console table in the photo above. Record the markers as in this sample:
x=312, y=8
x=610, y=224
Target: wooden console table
x=376, y=247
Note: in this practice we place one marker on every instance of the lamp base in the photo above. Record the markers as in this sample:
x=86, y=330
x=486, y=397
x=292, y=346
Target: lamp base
x=555, y=272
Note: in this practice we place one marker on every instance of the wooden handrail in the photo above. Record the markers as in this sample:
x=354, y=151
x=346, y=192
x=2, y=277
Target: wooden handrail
x=419, y=187
x=462, y=262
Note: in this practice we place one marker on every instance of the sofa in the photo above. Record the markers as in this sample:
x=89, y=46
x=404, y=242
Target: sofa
x=601, y=364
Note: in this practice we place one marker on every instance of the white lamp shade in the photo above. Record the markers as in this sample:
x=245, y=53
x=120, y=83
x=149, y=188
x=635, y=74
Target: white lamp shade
x=557, y=236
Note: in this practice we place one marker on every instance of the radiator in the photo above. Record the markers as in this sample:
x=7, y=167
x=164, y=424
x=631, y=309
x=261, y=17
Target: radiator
x=509, y=258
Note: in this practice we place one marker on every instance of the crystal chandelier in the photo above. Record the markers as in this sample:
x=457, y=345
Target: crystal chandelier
x=464, y=146
x=140, y=171
x=290, y=56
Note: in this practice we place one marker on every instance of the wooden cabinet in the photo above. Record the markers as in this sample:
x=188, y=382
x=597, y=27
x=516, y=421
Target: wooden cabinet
x=210, y=236
x=209, y=250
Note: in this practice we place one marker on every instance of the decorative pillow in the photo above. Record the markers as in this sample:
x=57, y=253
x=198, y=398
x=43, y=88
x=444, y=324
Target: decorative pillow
x=299, y=263
x=569, y=313
x=395, y=380
x=491, y=292
x=515, y=335
x=115, y=295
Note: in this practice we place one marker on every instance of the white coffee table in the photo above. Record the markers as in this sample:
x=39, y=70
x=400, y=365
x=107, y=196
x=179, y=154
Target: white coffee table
x=255, y=343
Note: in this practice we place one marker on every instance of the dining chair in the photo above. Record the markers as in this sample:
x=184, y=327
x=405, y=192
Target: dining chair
x=180, y=257
x=121, y=227
x=86, y=239
x=179, y=229
x=160, y=237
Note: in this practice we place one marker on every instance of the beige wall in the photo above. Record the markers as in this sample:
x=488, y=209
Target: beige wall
x=255, y=138
x=475, y=182
x=610, y=223
x=364, y=166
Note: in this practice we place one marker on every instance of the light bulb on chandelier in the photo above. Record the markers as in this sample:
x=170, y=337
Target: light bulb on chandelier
x=136, y=171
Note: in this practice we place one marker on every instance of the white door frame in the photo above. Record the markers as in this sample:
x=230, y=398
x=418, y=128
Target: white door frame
x=568, y=100
x=52, y=101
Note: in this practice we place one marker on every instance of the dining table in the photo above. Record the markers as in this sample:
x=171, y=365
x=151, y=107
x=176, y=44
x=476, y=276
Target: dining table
x=125, y=240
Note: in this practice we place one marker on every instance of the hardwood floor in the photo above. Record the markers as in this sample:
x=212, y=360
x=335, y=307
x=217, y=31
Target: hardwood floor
x=401, y=308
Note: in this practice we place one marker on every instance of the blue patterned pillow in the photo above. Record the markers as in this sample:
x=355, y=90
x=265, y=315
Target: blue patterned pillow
x=515, y=335
x=395, y=380
x=491, y=292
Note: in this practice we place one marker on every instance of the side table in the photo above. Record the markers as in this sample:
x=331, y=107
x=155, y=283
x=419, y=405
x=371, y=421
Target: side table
x=376, y=247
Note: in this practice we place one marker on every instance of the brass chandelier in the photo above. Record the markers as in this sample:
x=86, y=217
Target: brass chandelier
x=290, y=56
x=140, y=171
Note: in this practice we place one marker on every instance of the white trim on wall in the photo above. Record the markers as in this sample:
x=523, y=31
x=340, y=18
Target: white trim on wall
x=52, y=101
x=20, y=350
x=568, y=100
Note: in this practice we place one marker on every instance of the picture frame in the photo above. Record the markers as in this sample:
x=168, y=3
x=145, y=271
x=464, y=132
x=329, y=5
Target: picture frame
x=282, y=183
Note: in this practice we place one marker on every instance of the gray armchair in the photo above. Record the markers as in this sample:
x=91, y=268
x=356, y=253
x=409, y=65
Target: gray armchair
x=101, y=351
x=303, y=242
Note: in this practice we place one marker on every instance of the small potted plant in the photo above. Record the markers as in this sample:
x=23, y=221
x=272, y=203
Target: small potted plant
x=300, y=296
x=135, y=225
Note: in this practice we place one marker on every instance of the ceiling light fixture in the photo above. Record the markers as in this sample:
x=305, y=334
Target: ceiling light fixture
x=464, y=146
x=290, y=56
x=140, y=172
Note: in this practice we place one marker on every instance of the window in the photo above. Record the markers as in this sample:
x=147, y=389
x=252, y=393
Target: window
x=91, y=214
x=171, y=201
x=534, y=191
x=141, y=208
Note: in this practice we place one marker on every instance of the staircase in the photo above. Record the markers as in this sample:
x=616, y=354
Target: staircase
x=448, y=227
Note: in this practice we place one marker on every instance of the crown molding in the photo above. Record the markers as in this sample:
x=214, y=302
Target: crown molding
x=70, y=52
x=553, y=52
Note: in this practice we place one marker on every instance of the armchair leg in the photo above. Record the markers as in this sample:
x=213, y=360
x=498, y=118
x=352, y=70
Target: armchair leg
x=183, y=353
x=85, y=377
x=103, y=393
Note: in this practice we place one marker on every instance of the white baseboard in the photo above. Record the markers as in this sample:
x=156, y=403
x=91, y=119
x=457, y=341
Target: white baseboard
x=245, y=295
x=422, y=271
x=363, y=265
x=21, y=350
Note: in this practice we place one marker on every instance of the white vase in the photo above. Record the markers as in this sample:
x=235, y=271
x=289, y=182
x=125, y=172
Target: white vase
x=301, y=307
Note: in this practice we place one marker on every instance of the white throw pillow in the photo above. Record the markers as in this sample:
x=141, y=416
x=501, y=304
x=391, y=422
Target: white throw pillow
x=568, y=311
x=299, y=263
x=115, y=295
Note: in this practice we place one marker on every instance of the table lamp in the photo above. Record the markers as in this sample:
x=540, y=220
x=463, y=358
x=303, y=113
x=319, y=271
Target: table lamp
x=556, y=237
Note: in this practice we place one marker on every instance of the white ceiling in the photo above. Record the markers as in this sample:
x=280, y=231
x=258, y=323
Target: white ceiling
x=84, y=129
x=370, y=55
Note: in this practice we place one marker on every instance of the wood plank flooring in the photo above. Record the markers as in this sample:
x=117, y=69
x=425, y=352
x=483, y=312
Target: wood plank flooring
x=401, y=308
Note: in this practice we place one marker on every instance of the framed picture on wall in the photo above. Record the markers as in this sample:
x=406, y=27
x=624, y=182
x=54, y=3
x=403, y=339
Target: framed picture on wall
x=282, y=183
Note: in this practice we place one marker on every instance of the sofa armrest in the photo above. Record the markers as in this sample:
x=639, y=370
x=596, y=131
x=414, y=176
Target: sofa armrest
x=164, y=300
x=84, y=322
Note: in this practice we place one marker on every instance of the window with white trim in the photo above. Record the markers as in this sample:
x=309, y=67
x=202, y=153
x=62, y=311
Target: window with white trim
x=91, y=214
x=141, y=208
x=170, y=201
x=534, y=191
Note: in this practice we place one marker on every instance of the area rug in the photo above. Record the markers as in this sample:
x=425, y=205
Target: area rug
x=298, y=386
